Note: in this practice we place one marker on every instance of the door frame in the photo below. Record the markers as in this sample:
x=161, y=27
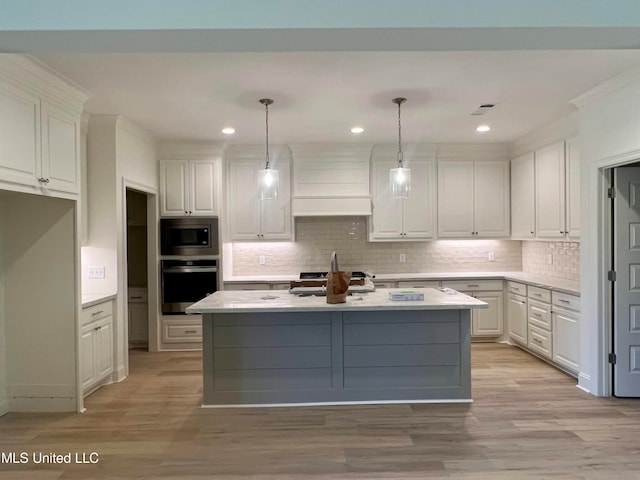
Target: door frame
x=152, y=267
x=600, y=176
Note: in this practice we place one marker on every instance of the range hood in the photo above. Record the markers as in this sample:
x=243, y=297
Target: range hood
x=331, y=180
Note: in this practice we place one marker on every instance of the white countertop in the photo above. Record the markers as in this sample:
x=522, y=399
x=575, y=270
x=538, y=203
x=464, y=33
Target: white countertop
x=552, y=283
x=91, y=299
x=279, y=301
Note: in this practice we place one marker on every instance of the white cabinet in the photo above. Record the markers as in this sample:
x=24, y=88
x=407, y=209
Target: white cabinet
x=539, y=332
x=550, y=192
x=96, y=345
x=189, y=187
x=484, y=322
x=39, y=143
x=572, y=226
x=517, y=312
x=566, y=330
x=473, y=199
x=523, y=219
x=409, y=218
x=39, y=129
x=184, y=329
x=252, y=218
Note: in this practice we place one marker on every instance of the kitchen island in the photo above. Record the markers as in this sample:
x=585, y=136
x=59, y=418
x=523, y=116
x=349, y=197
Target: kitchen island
x=274, y=348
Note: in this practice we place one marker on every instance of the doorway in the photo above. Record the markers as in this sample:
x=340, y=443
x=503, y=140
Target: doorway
x=625, y=310
x=137, y=270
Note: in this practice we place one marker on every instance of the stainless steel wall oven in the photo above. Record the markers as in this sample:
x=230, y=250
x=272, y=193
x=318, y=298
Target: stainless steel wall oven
x=185, y=282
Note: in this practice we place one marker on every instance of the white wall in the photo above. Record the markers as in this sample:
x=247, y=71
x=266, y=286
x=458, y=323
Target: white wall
x=120, y=155
x=4, y=406
x=609, y=136
x=40, y=302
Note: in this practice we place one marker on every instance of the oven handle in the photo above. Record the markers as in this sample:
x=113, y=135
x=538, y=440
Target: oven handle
x=190, y=269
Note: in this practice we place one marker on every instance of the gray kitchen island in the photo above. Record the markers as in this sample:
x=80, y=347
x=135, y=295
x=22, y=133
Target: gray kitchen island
x=273, y=348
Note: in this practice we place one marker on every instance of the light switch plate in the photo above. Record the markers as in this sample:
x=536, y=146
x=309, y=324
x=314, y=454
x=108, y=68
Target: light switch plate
x=492, y=256
x=262, y=260
x=96, y=272
x=403, y=258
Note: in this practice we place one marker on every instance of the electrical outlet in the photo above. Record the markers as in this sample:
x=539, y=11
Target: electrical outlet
x=96, y=272
x=262, y=260
x=550, y=259
x=492, y=257
x=403, y=258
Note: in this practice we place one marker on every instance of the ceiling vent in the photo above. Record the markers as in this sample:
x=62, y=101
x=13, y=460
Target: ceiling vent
x=482, y=109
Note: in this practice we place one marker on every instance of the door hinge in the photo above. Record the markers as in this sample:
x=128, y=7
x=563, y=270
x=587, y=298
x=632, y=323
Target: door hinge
x=611, y=192
x=611, y=275
x=612, y=358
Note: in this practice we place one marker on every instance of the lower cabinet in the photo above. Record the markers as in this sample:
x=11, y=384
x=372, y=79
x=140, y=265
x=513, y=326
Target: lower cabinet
x=517, y=318
x=138, y=317
x=566, y=331
x=96, y=346
x=485, y=323
x=185, y=329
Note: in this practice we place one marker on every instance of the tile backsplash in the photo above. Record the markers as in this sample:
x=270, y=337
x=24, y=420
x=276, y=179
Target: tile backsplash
x=317, y=237
x=565, y=259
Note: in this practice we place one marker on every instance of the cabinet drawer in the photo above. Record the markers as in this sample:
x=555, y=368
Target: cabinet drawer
x=177, y=331
x=564, y=300
x=539, y=314
x=517, y=288
x=137, y=295
x=473, y=285
x=419, y=284
x=540, y=341
x=96, y=312
x=538, y=293
x=247, y=286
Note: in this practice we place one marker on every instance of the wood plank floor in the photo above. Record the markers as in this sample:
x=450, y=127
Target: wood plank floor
x=528, y=421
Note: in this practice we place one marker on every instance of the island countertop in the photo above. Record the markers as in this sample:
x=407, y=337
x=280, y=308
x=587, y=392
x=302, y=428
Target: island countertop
x=281, y=301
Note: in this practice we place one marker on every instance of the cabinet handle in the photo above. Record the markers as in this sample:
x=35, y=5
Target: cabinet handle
x=473, y=285
x=538, y=294
x=97, y=313
x=190, y=331
x=563, y=300
x=189, y=212
x=537, y=340
x=532, y=233
x=536, y=314
x=523, y=303
x=97, y=328
x=136, y=298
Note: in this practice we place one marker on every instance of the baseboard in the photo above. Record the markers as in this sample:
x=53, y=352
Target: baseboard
x=120, y=374
x=4, y=407
x=584, y=379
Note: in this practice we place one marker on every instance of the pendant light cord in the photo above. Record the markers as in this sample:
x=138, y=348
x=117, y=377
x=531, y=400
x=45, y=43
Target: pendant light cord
x=399, y=138
x=266, y=109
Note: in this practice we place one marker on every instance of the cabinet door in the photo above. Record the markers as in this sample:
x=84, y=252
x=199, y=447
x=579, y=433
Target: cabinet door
x=202, y=188
x=60, y=149
x=417, y=211
x=244, y=204
x=523, y=211
x=566, y=338
x=103, y=348
x=174, y=188
x=550, y=192
x=386, y=219
x=517, y=318
x=491, y=199
x=455, y=199
x=19, y=137
x=488, y=322
x=573, y=188
x=275, y=214
x=138, y=322
x=87, y=359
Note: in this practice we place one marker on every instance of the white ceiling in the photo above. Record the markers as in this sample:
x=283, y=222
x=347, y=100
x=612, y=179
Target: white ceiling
x=319, y=96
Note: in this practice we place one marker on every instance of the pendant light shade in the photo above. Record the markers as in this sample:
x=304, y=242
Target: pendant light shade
x=268, y=178
x=400, y=177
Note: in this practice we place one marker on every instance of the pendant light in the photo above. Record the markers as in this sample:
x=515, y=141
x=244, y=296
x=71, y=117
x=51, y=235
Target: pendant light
x=267, y=178
x=400, y=177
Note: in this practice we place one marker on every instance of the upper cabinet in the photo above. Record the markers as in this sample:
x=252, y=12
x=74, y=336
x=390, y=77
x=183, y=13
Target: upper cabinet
x=410, y=218
x=473, y=199
x=189, y=187
x=251, y=218
x=39, y=129
x=523, y=205
x=557, y=191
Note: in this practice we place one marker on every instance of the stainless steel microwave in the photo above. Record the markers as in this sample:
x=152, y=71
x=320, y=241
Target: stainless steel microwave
x=189, y=236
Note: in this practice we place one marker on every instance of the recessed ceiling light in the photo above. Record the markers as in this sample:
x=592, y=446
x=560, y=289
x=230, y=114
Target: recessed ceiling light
x=228, y=130
x=483, y=128
x=357, y=130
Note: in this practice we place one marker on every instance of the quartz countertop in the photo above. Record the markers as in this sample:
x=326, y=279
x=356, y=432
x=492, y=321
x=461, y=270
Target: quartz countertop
x=91, y=299
x=558, y=284
x=277, y=301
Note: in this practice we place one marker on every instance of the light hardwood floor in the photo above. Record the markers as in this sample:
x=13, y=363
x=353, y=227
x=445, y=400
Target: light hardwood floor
x=528, y=421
